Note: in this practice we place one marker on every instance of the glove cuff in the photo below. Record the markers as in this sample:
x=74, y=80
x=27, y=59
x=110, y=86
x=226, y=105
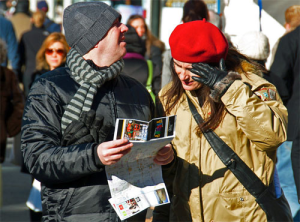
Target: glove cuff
x=222, y=86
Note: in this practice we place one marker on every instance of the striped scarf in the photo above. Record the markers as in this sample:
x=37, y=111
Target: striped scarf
x=89, y=80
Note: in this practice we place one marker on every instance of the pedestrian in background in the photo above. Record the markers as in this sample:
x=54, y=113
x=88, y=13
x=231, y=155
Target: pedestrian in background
x=192, y=11
x=255, y=45
x=51, y=55
x=239, y=106
x=154, y=46
x=29, y=45
x=285, y=74
x=8, y=35
x=21, y=18
x=292, y=21
x=135, y=64
x=69, y=118
x=49, y=24
x=11, y=103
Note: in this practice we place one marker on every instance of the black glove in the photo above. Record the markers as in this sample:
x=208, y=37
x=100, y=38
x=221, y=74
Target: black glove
x=209, y=75
x=76, y=133
x=88, y=129
x=98, y=129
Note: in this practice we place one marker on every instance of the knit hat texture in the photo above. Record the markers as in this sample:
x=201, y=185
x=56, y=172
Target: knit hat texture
x=86, y=23
x=255, y=45
x=198, y=41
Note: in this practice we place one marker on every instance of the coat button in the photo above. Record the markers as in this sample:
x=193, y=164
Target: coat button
x=241, y=199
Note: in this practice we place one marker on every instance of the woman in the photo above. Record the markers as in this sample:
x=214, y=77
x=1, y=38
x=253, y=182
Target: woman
x=192, y=11
x=242, y=108
x=51, y=55
x=154, y=47
x=135, y=64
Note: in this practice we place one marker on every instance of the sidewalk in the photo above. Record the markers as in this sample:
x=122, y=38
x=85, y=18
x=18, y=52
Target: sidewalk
x=15, y=190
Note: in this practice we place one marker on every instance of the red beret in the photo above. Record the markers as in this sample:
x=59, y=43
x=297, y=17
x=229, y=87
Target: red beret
x=198, y=41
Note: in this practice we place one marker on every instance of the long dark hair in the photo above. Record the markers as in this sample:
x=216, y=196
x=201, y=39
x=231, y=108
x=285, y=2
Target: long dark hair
x=194, y=10
x=172, y=96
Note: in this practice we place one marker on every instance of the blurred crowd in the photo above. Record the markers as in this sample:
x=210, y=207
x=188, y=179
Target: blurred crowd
x=31, y=44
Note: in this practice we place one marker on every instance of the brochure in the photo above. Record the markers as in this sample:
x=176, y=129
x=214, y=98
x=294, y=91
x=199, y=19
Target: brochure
x=135, y=181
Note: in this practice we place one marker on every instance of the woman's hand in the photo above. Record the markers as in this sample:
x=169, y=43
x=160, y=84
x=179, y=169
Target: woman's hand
x=165, y=155
x=209, y=75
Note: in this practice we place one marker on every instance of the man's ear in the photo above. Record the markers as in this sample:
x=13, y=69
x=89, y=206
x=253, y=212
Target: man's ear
x=287, y=27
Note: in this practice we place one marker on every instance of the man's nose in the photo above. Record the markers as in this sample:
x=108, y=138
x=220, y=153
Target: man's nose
x=124, y=28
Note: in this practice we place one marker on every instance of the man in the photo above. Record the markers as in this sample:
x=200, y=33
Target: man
x=21, y=18
x=69, y=118
x=285, y=74
x=29, y=45
x=9, y=37
x=292, y=20
x=50, y=25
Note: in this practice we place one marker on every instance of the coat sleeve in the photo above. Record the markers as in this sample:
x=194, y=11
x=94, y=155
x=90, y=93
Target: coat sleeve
x=281, y=70
x=15, y=118
x=44, y=157
x=259, y=113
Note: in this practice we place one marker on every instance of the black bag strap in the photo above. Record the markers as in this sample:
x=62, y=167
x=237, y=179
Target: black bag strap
x=232, y=161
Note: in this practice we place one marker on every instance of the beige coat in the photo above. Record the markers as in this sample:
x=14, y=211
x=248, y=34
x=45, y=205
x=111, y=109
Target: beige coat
x=254, y=126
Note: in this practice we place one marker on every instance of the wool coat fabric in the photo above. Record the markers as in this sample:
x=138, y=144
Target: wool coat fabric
x=201, y=188
x=11, y=107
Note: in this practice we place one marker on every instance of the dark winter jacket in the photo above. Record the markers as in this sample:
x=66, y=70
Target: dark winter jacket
x=30, y=44
x=11, y=107
x=285, y=72
x=74, y=184
x=135, y=64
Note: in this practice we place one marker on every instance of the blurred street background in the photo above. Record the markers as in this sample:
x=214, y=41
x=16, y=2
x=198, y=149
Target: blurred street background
x=14, y=187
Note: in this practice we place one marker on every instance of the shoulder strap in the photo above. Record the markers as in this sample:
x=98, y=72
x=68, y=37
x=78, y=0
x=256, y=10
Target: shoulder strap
x=149, y=80
x=231, y=160
x=150, y=72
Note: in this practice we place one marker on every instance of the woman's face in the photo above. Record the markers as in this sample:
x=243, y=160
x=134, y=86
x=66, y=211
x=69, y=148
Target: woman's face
x=55, y=55
x=139, y=26
x=185, y=75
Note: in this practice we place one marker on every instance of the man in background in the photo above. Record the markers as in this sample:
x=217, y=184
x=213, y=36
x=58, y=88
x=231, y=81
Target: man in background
x=285, y=75
x=49, y=24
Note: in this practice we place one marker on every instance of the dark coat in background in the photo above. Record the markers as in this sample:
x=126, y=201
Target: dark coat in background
x=11, y=107
x=285, y=74
x=29, y=45
x=135, y=64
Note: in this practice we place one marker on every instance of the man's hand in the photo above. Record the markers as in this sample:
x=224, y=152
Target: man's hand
x=165, y=155
x=209, y=75
x=111, y=152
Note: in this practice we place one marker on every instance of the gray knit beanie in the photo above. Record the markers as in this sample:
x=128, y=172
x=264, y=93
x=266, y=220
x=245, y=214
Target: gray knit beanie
x=86, y=23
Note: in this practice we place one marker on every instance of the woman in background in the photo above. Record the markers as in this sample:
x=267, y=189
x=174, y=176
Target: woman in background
x=154, y=47
x=51, y=55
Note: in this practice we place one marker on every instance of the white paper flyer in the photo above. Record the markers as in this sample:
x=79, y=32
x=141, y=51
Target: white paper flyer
x=135, y=181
